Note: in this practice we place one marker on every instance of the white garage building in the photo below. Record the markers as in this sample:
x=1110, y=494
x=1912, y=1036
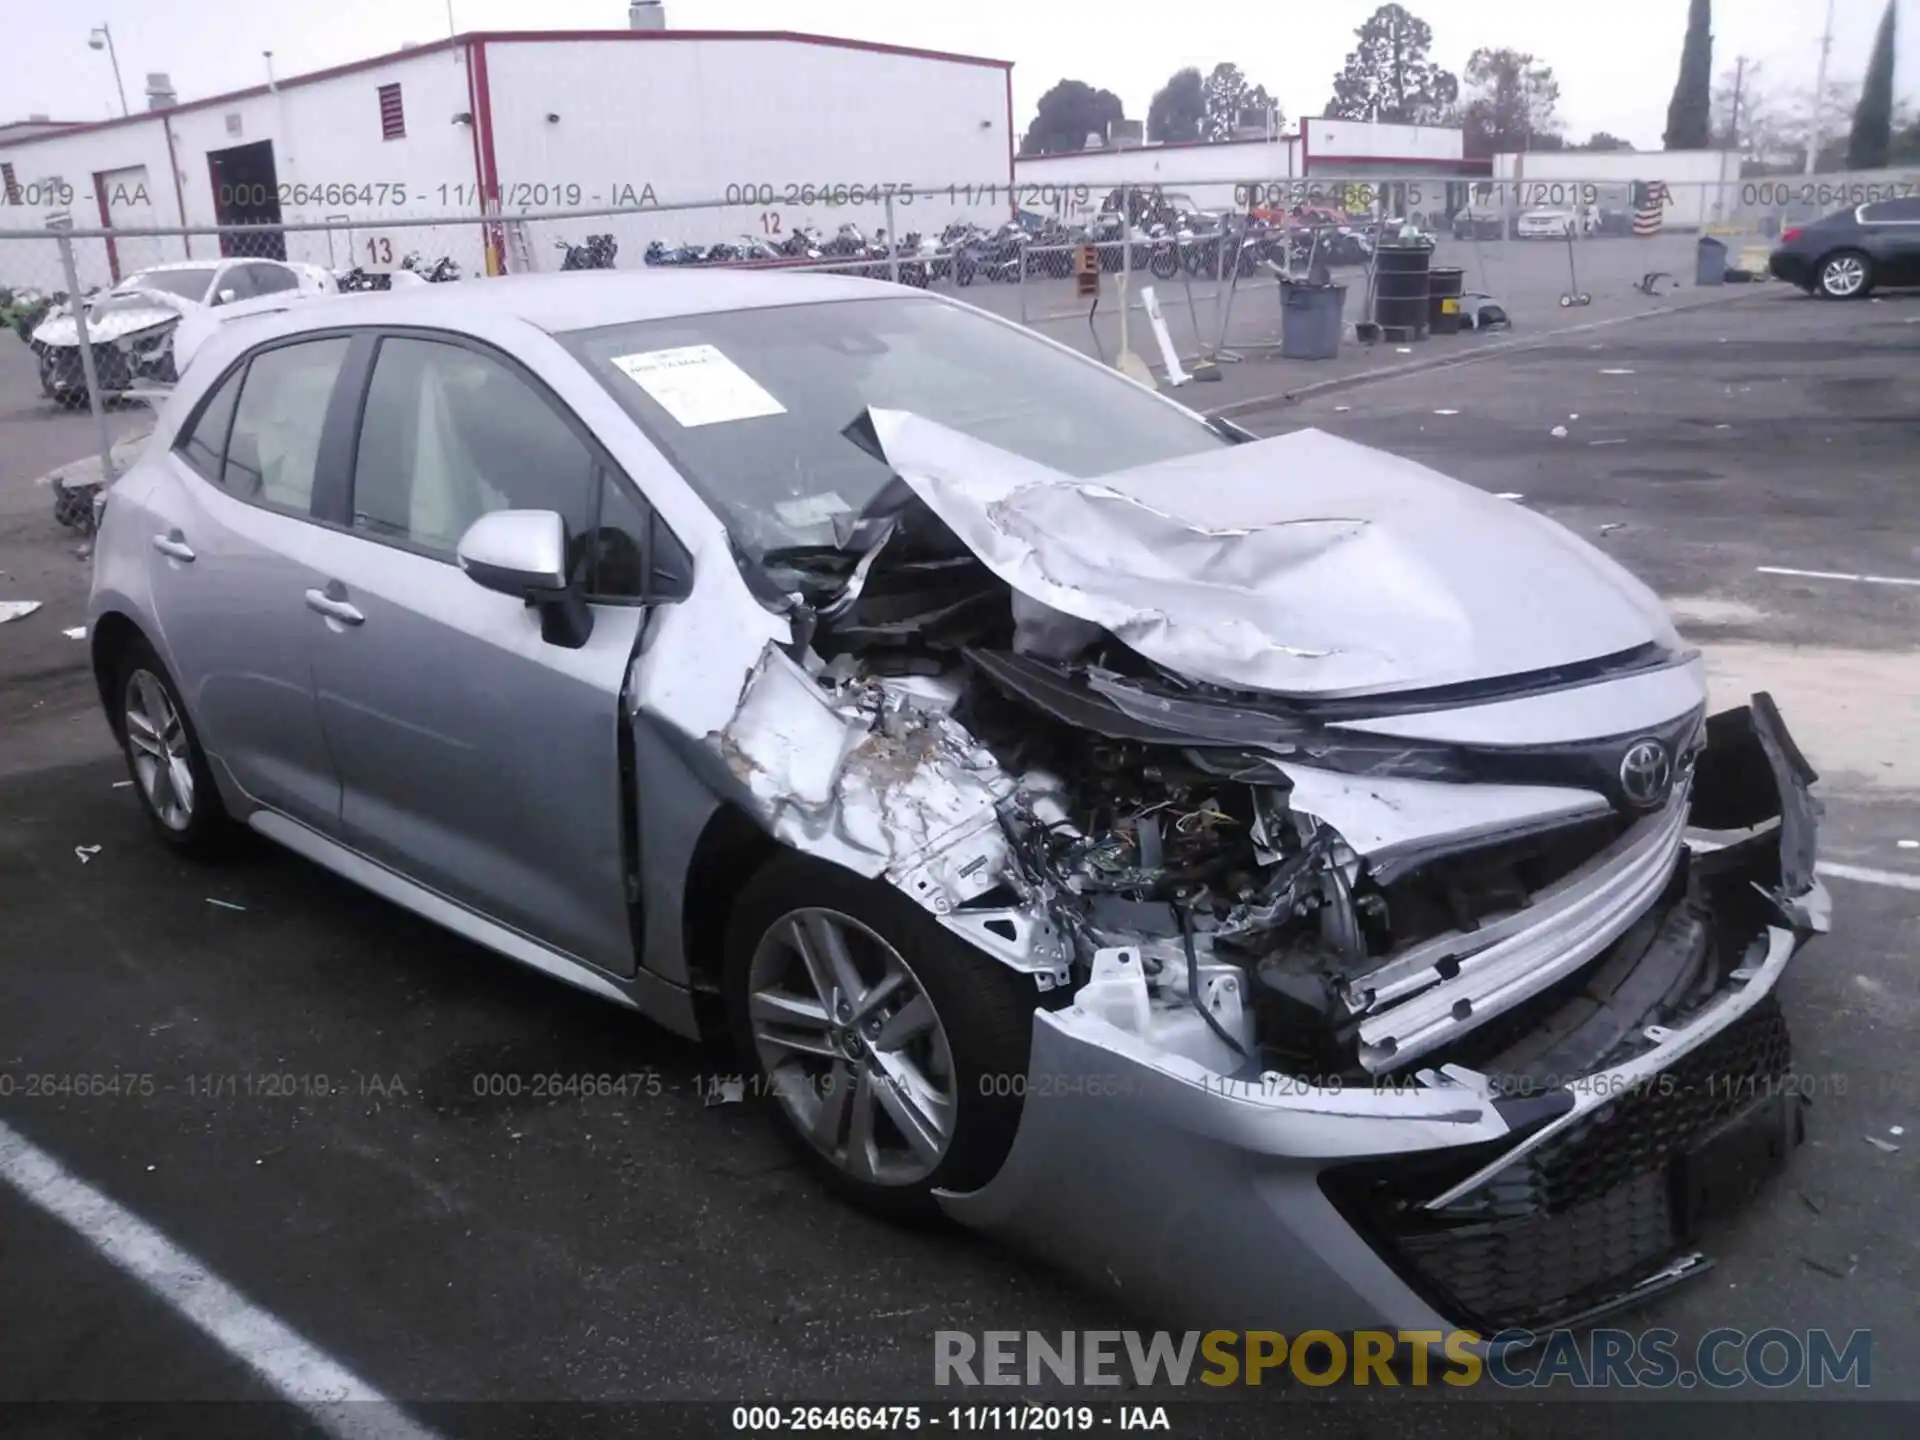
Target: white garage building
x=791, y=129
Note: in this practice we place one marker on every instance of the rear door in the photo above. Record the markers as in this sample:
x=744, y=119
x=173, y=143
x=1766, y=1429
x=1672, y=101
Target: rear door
x=476, y=757
x=230, y=558
x=1893, y=239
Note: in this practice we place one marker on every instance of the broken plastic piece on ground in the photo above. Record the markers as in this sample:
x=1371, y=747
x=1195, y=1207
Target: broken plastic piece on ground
x=16, y=609
x=224, y=904
x=75, y=632
x=1886, y=1146
x=1559, y=432
x=86, y=852
x=1509, y=495
x=1610, y=526
x=726, y=1092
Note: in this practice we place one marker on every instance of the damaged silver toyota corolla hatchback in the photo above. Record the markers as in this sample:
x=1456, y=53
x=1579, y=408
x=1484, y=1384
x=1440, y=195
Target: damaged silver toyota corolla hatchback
x=1266, y=876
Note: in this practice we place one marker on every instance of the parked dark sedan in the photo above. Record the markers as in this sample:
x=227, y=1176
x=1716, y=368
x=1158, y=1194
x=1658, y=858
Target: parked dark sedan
x=1844, y=255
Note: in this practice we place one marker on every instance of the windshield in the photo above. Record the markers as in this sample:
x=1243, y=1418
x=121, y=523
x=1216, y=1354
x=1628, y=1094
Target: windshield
x=750, y=404
x=187, y=284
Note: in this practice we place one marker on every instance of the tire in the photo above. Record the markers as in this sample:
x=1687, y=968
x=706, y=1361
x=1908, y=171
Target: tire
x=965, y=1034
x=1165, y=264
x=142, y=692
x=1843, y=275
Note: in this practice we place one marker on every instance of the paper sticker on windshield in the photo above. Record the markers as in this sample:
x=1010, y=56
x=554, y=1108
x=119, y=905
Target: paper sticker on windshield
x=811, y=510
x=697, y=385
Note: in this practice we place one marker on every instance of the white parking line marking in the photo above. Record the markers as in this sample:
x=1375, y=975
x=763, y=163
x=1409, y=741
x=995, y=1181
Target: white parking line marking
x=1866, y=875
x=339, y=1401
x=1837, y=575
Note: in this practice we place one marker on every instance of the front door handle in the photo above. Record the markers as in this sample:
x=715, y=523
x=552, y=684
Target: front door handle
x=173, y=543
x=333, y=606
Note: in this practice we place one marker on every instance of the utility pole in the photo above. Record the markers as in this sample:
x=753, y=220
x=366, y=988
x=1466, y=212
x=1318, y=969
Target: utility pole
x=1739, y=83
x=1815, y=134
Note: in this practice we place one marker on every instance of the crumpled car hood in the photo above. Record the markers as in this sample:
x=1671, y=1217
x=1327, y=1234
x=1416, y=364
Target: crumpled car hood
x=1304, y=564
x=111, y=323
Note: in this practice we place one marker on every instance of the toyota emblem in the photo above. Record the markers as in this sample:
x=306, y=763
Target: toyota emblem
x=1646, y=770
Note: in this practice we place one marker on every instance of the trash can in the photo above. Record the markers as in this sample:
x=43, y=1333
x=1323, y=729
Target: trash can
x=1445, y=285
x=1710, y=262
x=1400, y=294
x=1311, y=317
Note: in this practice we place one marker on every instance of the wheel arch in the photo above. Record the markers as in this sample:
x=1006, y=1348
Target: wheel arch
x=732, y=848
x=111, y=636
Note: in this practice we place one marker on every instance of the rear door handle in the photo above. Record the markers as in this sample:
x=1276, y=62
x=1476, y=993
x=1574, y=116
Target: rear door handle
x=174, y=544
x=333, y=607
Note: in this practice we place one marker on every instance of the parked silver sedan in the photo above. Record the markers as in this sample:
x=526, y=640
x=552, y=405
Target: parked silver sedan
x=1266, y=875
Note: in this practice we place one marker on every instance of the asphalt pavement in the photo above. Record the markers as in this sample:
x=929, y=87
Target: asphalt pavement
x=307, y=1101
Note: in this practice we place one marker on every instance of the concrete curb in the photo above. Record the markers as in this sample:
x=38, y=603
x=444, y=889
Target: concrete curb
x=1493, y=349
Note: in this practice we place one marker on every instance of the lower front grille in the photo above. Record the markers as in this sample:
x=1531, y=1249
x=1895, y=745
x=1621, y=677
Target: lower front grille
x=1586, y=1216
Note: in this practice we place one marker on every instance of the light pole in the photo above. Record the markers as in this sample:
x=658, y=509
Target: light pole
x=102, y=39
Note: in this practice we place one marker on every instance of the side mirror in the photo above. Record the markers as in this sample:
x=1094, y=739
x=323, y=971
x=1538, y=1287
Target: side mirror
x=523, y=553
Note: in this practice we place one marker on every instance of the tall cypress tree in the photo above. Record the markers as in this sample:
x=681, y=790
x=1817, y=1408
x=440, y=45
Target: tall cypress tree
x=1690, y=112
x=1872, y=138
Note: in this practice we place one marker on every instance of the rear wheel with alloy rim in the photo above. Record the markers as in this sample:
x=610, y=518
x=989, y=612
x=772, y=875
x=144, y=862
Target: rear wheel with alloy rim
x=169, y=769
x=1845, y=276
x=893, y=1054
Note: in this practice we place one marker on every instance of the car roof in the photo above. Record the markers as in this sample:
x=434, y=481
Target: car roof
x=585, y=299
x=182, y=265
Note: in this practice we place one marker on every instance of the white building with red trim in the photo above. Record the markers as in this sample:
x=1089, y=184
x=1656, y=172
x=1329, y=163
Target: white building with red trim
x=790, y=129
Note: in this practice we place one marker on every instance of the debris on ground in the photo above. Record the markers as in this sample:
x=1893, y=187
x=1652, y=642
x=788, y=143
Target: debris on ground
x=121, y=784
x=1559, y=432
x=1616, y=372
x=17, y=609
x=1510, y=495
x=1808, y=1201
x=726, y=1092
x=1907, y=844
x=1620, y=441
x=76, y=632
x=224, y=904
x=1824, y=1268
x=1446, y=412
x=86, y=852
x=1886, y=1147
x=1612, y=525
x=1896, y=1129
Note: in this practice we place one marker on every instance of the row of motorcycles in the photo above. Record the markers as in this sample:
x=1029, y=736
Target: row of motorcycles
x=1162, y=243
x=353, y=278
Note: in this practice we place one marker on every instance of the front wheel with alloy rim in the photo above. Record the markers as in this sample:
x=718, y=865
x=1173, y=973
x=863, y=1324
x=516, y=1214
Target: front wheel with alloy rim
x=889, y=1051
x=169, y=769
x=1845, y=276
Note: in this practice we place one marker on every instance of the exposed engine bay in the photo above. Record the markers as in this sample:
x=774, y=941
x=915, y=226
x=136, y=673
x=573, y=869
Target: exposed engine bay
x=1169, y=853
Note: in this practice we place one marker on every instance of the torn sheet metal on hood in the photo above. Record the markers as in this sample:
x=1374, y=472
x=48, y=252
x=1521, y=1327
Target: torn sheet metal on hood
x=1304, y=564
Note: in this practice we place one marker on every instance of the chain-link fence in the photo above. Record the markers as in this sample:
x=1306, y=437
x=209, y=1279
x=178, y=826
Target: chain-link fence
x=1104, y=269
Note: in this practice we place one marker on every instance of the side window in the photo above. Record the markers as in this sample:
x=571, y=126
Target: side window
x=450, y=434
x=1892, y=212
x=270, y=279
x=205, y=445
x=611, y=558
x=232, y=283
x=277, y=424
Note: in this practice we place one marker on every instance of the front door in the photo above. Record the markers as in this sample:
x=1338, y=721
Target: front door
x=475, y=757
x=230, y=559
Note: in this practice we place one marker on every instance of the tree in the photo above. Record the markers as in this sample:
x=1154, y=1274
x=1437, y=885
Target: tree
x=1601, y=140
x=1389, y=77
x=1230, y=101
x=1509, y=106
x=1689, y=113
x=1748, y=115
x=1871, y=141
x=1067, y=114
x=1178, y=108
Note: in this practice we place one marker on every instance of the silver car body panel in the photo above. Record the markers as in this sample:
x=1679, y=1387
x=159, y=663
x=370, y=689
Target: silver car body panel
x=1304, y=564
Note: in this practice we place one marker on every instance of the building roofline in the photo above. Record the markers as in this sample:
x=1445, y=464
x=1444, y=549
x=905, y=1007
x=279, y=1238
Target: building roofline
x=471, y=37
x=1157, y=149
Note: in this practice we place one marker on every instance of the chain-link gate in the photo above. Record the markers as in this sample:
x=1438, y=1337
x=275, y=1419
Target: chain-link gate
x=1537, y=254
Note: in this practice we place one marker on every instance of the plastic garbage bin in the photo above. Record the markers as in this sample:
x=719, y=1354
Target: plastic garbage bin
x=1710, y=262
x=1311, y=317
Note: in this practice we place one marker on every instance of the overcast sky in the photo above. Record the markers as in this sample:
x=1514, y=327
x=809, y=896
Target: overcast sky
x=1615, y=59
